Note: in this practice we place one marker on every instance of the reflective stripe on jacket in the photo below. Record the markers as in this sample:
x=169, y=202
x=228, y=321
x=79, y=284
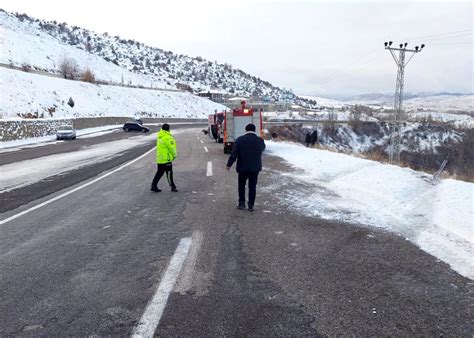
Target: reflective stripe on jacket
x=165, y=147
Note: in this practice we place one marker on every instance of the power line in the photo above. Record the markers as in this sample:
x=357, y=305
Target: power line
x=358, y=65
x=439, y=34
x=450, y=37
x=452, y=43
x=368, y=58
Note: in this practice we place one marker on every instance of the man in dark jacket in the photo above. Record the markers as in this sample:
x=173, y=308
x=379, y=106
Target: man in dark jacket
x=307, y=140
x=314, y=137
x=247, y=150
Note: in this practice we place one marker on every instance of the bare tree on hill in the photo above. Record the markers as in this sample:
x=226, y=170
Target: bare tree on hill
x=68, y=68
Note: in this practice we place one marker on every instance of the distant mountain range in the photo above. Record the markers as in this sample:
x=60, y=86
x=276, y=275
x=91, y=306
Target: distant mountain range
x=435, y=102
x=385, y=98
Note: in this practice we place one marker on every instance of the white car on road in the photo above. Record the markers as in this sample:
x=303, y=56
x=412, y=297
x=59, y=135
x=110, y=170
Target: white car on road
x=66, y=132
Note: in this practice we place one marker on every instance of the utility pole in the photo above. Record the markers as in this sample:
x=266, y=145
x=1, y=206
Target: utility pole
x=395, y=135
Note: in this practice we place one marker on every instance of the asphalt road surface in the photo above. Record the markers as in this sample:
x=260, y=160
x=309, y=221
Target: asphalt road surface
x=105, y=256
x=43, y=188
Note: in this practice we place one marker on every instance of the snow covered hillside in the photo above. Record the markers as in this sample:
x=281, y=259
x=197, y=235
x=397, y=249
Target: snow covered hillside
x=24, y=45
x=25, y=36
x=424, y=146
x=30, y=93
x=436, y=217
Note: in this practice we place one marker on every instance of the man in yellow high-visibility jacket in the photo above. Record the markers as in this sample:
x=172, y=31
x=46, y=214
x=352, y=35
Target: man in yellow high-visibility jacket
x=165, y=154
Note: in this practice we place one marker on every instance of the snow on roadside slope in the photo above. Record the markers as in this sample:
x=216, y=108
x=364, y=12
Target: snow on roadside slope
x=23, y=173
x=437, y=218
x=25, y=92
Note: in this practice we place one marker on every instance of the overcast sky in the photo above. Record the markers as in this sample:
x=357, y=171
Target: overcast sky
x=326, y=48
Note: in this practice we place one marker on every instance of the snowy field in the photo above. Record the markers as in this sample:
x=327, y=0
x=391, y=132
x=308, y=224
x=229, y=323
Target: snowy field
x=23, y=173
x=438, y=103
x=442, y=103
x=436, y=217
x=25, y=92
x=325, y=102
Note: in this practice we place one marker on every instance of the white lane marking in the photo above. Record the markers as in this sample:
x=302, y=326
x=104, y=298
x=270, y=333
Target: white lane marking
x=147, y=325
x=201, y=141
x=206, y=150
x=11, y=218
x=209, y=169
x=187, y=275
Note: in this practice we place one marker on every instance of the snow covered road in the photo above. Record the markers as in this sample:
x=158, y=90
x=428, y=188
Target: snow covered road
x=438, y=218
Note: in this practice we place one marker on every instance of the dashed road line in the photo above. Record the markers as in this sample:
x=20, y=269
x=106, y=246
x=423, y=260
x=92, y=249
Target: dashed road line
x=186, y=276
x=206, y=150
x=147, y=325
x=24, y=212
x=209, y=169
x=201, y=141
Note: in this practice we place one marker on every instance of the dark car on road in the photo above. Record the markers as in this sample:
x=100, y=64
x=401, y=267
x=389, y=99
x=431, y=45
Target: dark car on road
x=134, y=126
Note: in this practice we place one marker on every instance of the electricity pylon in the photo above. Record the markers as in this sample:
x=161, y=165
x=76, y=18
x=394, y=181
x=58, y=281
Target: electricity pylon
x=395, y=135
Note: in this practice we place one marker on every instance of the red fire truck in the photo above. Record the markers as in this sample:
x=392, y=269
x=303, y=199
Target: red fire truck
x=235, y=122
x=215, y=126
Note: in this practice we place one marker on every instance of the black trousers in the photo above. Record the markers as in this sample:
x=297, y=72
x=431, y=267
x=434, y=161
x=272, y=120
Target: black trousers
x=163, y=168
x=252, y=178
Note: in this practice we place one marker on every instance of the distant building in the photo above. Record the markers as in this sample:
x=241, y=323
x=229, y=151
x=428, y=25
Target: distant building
x=287, y=96
x=213, y=95
x=268, y=99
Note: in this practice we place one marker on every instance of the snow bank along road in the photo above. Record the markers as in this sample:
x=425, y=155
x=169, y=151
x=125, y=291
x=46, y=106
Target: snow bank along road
x=107, y=257
x=437, y=216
